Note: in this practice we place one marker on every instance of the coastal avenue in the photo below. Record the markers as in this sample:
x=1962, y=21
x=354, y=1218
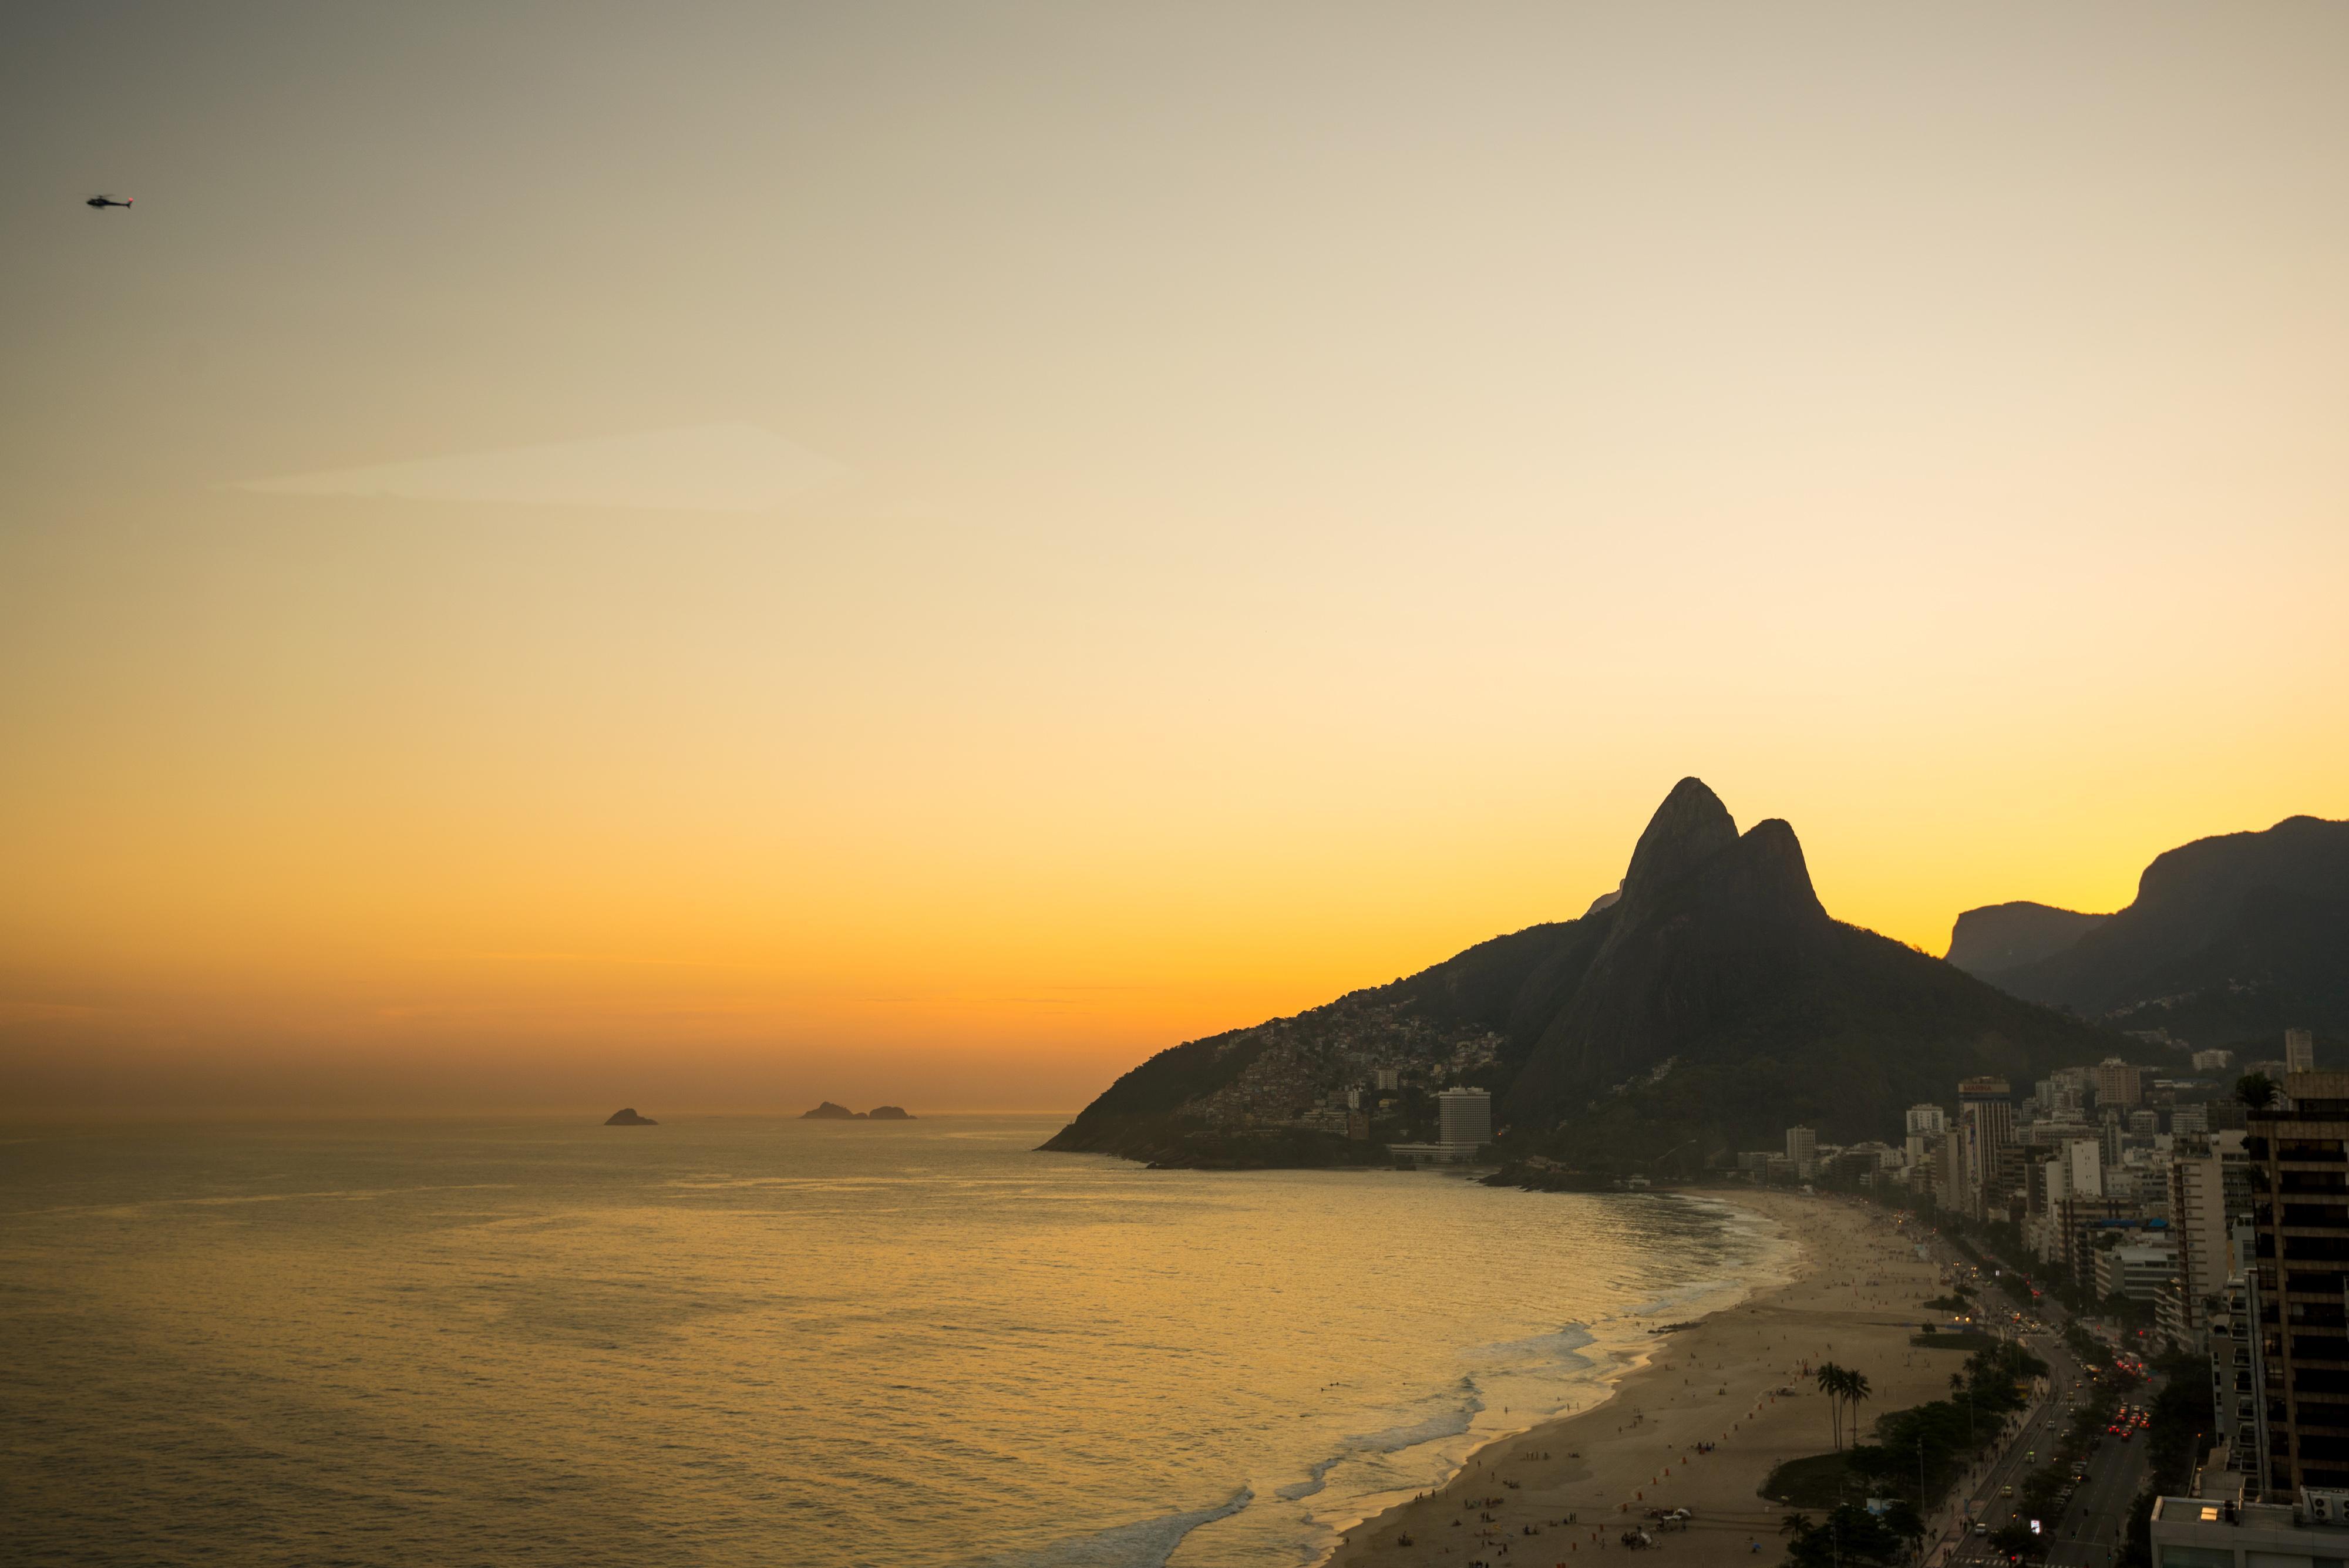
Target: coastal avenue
x=2089, y=1530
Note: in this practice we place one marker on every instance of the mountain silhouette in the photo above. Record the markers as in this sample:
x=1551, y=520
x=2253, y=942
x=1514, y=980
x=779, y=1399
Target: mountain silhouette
x=1711, y=1005
x=2229, y=939
x=2008, y=936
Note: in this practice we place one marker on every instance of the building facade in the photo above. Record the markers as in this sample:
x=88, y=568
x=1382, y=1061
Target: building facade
x=2299, y=1051
x=2120, y=1083
x=2200, y=1220
x=2139, y=1269
x=2298, y=1153
x=1986, y=1122
x=1465, y=1117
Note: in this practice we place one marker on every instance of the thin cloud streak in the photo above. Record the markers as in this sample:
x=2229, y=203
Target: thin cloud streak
x=699, y=468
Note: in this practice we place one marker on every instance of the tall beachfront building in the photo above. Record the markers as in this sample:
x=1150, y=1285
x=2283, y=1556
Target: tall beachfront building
x=1986, y=1122
x=2300, y=1051
x=2299, y=1161
x=1927, y=1121
x=1801, y=1152
x=1465, y=1117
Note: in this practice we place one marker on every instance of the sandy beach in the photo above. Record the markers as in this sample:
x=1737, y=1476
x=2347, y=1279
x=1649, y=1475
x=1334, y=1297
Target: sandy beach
x=1856, y=1291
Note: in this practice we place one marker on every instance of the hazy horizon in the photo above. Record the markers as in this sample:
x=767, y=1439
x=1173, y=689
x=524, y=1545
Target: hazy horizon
x=570, y=555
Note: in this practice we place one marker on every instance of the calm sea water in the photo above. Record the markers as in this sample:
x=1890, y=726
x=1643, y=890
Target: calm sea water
x=768, y=1342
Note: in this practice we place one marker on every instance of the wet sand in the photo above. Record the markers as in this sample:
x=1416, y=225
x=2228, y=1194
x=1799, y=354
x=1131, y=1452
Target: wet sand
x=1854, y=1293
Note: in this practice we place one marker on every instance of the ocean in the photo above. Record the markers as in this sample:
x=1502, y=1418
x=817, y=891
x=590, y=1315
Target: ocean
x=761, y=1340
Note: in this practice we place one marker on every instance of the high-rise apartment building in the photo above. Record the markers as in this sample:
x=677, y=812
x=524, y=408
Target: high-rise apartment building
x=2299, y=1051
x=1949, y=1170
x=2080, y=1163
x=2299, y=1161
x=2120, y=1083
x=1801, y=1152
x=2239, y=1382
x=1986, y=1122
x=2213, y=1060
x=1927, y=1121
x=2208, y=1190
x=1465, y=1117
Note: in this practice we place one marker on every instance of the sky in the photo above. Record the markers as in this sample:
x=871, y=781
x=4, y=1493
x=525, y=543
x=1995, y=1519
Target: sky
x=712, y=556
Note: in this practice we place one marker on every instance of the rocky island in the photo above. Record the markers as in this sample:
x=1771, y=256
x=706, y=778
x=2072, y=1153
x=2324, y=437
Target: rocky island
x=625, y=1117
x=829, y=1111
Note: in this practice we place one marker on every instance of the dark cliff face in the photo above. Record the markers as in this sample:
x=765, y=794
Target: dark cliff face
x=2258, y=920
x=2000, y=937
x=1690, y=829
x=1710, y=925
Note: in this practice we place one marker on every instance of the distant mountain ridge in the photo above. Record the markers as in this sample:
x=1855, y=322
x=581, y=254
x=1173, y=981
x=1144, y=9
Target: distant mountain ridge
x=2229, y=937
x=2008, y=936
x=1708, y=1007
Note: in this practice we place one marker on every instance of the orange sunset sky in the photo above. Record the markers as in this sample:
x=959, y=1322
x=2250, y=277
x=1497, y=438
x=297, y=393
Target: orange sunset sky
x=715, y=556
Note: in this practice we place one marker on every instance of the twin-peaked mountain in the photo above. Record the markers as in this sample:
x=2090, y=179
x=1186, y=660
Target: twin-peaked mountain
x=1709, y=1006
x=2229, y=940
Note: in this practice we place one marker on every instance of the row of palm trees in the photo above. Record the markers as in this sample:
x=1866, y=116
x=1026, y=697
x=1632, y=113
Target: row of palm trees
x=1842, y=1386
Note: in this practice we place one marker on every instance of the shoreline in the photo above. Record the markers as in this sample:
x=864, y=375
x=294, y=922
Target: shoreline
x=1851, y=1290
x=1615, y=1364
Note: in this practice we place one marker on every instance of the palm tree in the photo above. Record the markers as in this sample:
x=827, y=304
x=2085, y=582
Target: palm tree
x=1794, y=1524
x=1831, y=1379
x=1855, y=1392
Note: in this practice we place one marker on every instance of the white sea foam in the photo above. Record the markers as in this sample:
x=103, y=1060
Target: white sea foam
x=1144, y=1544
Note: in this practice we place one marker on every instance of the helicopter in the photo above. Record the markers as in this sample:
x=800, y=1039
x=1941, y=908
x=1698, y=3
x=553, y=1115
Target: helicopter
x=108, y=202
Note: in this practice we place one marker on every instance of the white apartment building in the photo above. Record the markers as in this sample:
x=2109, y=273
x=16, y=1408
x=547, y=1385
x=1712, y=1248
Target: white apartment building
x=2199, y=1225
x=2139, y=1271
